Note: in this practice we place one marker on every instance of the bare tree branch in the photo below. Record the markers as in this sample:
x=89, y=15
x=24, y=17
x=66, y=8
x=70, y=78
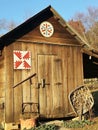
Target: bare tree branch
x=89, y=20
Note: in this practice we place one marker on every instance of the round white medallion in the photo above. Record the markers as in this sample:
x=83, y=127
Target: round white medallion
x=46, y=29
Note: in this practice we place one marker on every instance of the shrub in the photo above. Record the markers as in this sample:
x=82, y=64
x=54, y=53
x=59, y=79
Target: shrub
x=77, y=124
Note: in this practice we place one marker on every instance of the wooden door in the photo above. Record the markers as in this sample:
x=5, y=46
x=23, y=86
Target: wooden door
x=50, y=85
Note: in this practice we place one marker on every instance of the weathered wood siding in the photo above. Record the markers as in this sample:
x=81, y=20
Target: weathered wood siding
x=57, y=60
x=2, y=86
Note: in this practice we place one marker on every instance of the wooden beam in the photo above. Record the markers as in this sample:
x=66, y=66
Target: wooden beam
x=24, y=80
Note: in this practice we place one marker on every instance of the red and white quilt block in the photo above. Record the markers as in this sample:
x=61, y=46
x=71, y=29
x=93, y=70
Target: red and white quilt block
x=22, y=59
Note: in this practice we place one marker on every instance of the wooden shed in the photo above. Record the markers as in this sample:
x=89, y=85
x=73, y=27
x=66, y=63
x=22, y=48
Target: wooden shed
x=41, y=62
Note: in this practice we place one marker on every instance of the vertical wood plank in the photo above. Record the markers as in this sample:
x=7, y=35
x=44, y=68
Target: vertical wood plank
x=65, y=81
x=48, y=80
x=17, y=90
x=75, y=66
x=41, y=71
x=2, y=84
x=26, y=86
x=9, y=111
x=70, y=73
x=34, y=86
x=58, y=82
x=79, y=67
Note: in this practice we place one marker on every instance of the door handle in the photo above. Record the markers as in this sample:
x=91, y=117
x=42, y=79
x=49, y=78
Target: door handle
x=43, y=83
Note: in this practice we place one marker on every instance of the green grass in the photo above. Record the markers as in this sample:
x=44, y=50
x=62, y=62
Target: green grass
x=77, y=124
x=66, y=124
x=44, y=127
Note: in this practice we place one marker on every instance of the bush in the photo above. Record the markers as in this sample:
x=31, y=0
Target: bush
x=77, y=124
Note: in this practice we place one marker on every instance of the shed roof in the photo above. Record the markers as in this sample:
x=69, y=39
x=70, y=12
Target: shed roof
x=34, y=21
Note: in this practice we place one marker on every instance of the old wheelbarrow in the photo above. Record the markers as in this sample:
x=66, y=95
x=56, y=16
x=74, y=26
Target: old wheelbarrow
x=81, y=100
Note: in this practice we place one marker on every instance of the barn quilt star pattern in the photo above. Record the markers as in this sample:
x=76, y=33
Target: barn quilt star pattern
x=22, y=59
